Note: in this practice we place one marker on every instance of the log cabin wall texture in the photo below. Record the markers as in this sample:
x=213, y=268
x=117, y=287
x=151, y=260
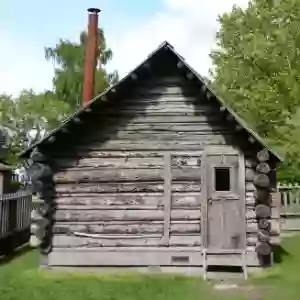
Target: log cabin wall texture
x=111, y=188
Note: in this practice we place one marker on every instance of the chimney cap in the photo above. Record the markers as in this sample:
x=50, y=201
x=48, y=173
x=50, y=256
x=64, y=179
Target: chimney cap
x=93, y=10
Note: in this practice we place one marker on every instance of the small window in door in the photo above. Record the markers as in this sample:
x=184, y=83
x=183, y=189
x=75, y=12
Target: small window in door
x=222, y=179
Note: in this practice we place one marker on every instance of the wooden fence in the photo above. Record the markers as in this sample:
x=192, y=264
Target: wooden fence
x=15, y=212
x=290, y=208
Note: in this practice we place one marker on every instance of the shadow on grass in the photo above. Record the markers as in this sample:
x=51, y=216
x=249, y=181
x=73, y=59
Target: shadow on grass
x=279, y=254
x=6, y=259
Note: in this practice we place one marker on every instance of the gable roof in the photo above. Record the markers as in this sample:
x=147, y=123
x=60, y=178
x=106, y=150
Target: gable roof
x=182, y=64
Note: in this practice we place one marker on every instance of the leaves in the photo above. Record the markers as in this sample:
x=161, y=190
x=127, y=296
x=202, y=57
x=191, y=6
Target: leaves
x=257, y=69
x=68, y=58
x=26, y=119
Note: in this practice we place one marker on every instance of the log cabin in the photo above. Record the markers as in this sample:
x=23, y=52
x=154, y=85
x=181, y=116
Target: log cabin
x=155, y=172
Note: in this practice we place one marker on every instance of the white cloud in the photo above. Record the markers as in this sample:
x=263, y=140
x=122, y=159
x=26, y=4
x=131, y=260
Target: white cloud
x=22, y=66
x=189, y=25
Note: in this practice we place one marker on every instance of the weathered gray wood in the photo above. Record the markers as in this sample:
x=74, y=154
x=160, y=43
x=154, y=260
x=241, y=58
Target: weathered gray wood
x=152, y=162
x=130, y=215
x=204, y=199
x=262, y=196
x=263, y=155
x=263, y=248
x=68, y=241
x=249, y=175
x=174, y=107
x=123, y=175
x=250, y=187
x=264, y=224
x=116, y=200
x=242, y=192
x=167, y=197
x=261, y=180
x=155, y=145
x=125, y=227
x=161, y=136
x=263, y=235
x=169, y=118
x=263, y=211
x=165, y=127
x=273, y=227
x=263, y=168
x=127, y=257
x=114, y=162
x=126, y=187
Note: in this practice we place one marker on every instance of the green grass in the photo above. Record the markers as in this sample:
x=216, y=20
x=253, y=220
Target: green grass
x=21, y=279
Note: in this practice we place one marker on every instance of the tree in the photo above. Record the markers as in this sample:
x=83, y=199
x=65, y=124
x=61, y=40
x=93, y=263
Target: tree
x=28, y=118
x=256, y=68
x=69, y=60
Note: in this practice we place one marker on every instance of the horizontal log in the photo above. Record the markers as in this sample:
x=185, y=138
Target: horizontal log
x=252, y=215
x=164, y=127
x=253, y=240
x=148, y=256
x=130, y=215
x=65, y=156
x=129, y=162
x=126, y=228
x=124, y=175
x=250, y=187
x=164, y=106
x=156, y=145
x=175, y=90
x=67, y=241
x=133, y=199
x=114, y=162
x=250, y=162
x=249, y=174
x=148, y=119
x=158, y=136
x=126, y=187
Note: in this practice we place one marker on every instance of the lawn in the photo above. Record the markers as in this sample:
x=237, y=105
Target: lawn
x=21, y=279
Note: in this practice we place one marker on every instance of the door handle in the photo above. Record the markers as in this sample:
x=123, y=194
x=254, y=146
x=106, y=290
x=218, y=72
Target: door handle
x=209, y=201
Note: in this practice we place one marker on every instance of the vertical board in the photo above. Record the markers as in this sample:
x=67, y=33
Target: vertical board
x=167, y=197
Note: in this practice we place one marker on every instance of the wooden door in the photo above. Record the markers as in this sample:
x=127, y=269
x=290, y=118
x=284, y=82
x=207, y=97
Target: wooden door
x=223, y=189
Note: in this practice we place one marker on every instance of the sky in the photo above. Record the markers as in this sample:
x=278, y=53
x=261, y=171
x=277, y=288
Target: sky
x=133, y=29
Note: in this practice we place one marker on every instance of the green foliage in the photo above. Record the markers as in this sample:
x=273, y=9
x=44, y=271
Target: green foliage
x=69, y=60
x=257, y=70
x=27, y=118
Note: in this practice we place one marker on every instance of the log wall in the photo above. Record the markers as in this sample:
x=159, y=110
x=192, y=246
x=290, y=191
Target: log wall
x=132, y=188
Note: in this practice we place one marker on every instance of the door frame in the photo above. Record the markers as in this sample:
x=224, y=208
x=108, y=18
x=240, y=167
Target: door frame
x=221, y=150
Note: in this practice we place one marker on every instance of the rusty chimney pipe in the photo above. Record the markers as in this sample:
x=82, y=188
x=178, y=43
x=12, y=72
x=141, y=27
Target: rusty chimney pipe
x=90, y=62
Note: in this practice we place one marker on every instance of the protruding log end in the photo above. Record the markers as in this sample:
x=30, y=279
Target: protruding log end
x=262, y=181
x=263, y=168
x=262, y=211
x=263, y=155
x=263, y=249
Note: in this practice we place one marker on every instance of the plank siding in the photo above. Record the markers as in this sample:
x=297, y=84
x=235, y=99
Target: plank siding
x=112, y=186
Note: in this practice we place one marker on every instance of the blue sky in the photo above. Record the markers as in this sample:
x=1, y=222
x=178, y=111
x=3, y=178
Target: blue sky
x=133, y=29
